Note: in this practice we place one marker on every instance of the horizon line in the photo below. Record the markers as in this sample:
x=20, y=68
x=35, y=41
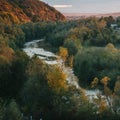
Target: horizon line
x=80, y=13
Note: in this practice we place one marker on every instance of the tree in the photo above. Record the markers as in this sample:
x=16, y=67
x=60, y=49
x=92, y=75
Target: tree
x=63, y=52
x=70, y=61
x=116, y=96
x=2, y=109
x=56, y=79
x=107, y=91
x=72, y=46
x=95, y=82
x=12, y=112
x=18, y=73
x=36, y=94
x=117, y=87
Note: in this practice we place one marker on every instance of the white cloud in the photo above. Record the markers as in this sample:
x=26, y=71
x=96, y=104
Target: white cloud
x=62, y=6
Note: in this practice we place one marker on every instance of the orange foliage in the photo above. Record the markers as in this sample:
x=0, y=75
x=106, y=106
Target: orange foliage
x=105, y=80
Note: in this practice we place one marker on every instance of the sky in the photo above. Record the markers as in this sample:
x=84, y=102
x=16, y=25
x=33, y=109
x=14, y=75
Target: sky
x=85, y=6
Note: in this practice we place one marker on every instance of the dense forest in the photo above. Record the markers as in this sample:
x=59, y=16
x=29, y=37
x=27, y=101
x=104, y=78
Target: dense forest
x=30, y=87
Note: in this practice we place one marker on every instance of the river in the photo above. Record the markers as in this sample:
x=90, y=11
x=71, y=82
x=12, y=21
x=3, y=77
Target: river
x=31, y=49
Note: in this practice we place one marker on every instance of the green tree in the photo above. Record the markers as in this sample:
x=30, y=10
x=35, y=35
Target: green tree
x=92, y=62
x=12, y=112
x=117, y=87
x=36, y=94
x=73, y=46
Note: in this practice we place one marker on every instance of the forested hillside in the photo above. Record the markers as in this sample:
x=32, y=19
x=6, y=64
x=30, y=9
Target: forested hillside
x=21, y=11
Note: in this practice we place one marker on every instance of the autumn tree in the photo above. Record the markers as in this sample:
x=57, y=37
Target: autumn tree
x=63, y=52
x=95, y=82
x=44, y=83
x=107, y=91
x=56, y=79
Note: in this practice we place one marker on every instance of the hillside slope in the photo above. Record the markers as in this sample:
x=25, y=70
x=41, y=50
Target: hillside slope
x=19, y=11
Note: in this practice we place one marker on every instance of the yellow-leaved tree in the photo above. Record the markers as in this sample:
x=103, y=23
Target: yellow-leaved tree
x=107, y=91
x=94, y=83
x=63, y=52
x=56, y=79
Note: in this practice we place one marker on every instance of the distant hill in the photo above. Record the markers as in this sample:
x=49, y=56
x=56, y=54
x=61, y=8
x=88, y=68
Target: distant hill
x=20, y=11
x=84, y=15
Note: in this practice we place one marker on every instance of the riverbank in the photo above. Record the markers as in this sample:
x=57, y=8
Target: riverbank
x=37, y=47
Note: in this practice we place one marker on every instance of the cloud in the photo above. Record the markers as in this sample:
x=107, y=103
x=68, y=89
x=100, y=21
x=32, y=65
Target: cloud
x=62, y=6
